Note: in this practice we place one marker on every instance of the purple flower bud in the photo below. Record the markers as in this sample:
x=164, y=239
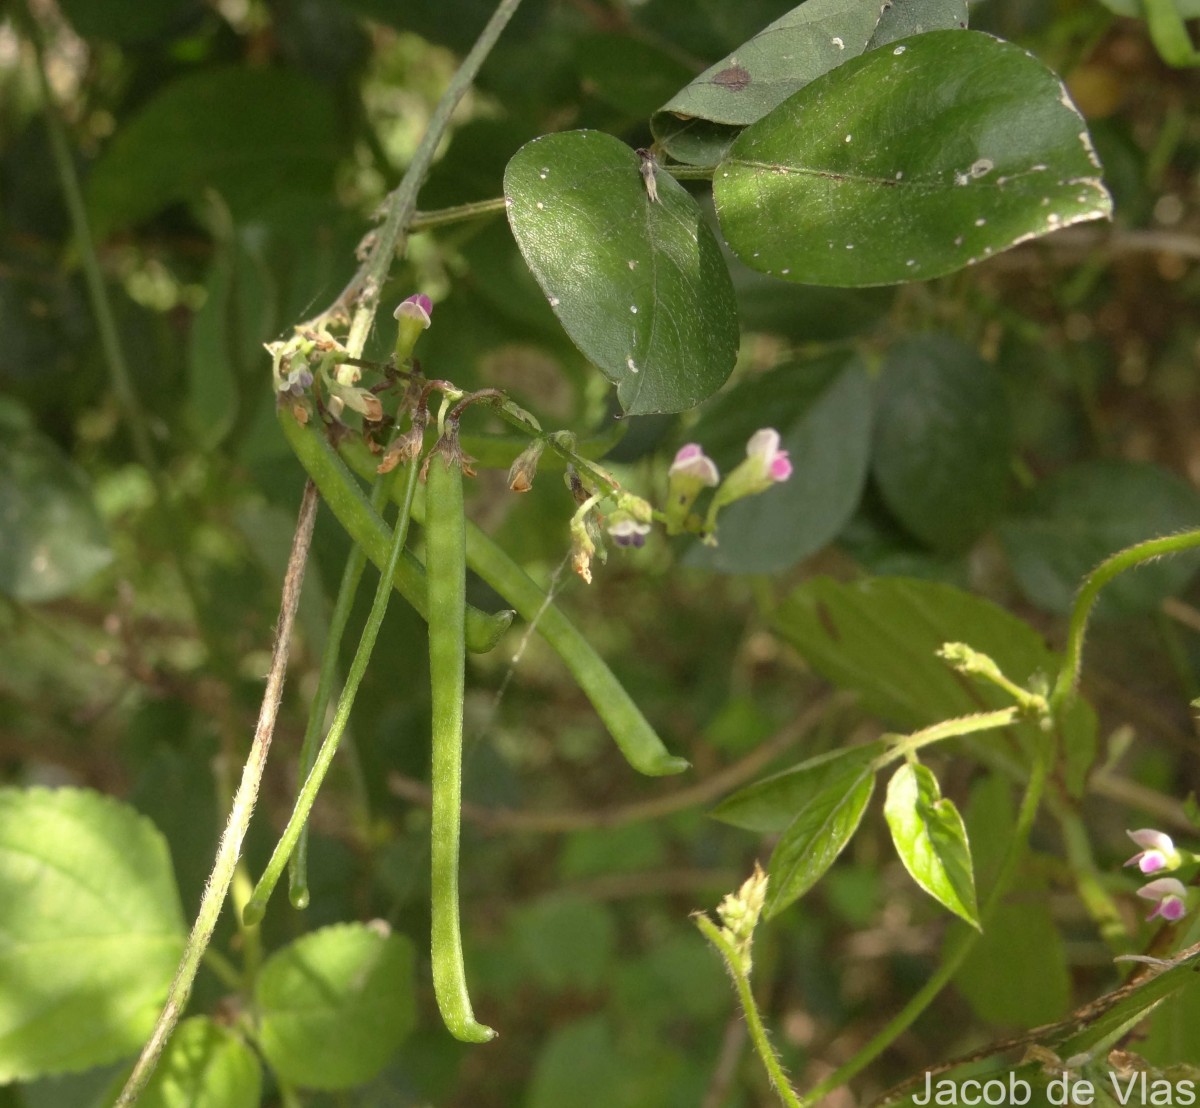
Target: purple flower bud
x=1170, y=896
x=626, y=531
x=763, y=448
x=413, y=317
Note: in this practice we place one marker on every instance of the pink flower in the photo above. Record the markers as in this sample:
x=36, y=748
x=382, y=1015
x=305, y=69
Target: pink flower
x=1170, y=896
x=413, y=317
x=692, y=464
x=1158, y=852
x=773, y=463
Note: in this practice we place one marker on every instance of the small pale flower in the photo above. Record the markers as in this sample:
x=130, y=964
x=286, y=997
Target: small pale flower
x=1170, y=896
x=765, y=465
x=413, y=316
x=693, y=464
x=524, y=468
x=691, y=472
x=1158, y=853
x=773, y=463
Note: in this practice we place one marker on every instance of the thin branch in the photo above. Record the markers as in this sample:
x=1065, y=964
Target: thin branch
x=501, y=820
x=230, y=846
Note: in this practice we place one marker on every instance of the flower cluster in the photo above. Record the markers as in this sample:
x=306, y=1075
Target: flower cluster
x=1158, y=854
x=692, y=471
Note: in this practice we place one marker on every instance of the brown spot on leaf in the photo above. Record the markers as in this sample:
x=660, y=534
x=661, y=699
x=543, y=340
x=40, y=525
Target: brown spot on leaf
x=825, y=618
x=734, y=77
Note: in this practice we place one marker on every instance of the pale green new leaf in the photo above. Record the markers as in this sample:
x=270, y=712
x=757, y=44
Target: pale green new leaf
x=931, y=840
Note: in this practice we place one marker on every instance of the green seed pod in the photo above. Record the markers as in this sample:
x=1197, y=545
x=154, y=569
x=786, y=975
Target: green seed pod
x=445, y=538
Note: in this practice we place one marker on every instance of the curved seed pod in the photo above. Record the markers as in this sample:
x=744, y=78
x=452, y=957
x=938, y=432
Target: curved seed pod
x=638, y=741
x=353, y=511
x=445, y=539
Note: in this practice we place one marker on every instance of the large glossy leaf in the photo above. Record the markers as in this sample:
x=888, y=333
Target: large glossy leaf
x=907, y=163
x=943, y=440
x=54, y=539
x=91, y=930
x=931, y=840
x=335, y=1004
x=820, y=831
x=1078, y=517
x=822, y=410
x=771, y=804
x=250, y=133
x=639, y=285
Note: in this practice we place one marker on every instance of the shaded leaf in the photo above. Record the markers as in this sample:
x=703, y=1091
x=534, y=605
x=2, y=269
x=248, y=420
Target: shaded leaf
x=823, y=411
x=931, y=840
x=335, y=1005
x=865, y=178
x=820, y=831
x=943, y=440
x=769, y=805
x=92, y=930
x=54, y=538
x=204, y=1066
x=783, y=57
x=904, y=18
x=248, y=133
x=1081, y=515
x=640, y=286
x=121, y=21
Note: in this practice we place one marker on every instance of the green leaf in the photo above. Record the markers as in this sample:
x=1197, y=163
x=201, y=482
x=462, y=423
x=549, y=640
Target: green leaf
x=879, y=636
x=761, y=74
x=769, y=805
x=54, y=539
x=822, y=410
x=121, y=21
x=92, y=930
x=204, y=1066
x=943, y=440
x=640, y=286
x=865, y=177
x=931, y=840
x=918, y=17
x=250, y=133
x=819, y=832
x=335, y=1005
x=1081, y=515
x=1016, y=974
x=566, y=941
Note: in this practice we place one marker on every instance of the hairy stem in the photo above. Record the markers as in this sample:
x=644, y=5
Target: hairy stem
x=230, y=847
x=1068, y=674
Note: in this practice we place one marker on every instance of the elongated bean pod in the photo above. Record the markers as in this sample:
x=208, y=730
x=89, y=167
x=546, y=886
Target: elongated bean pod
x=445, y=543
x=354, y=512
x=631, y=731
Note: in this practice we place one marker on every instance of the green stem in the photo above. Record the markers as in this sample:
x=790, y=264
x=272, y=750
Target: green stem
x=961, y=946
x=229, y=849
x=754, y=1024
x=391, y=238
x=425, y=221
x=362, y=523
x=948, y=729
x=351, y=575
x=256, y=906
x=642, y=747
x=1068, y=675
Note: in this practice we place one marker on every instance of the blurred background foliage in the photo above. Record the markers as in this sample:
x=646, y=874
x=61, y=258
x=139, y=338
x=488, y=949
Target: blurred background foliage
x=1000, y=430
